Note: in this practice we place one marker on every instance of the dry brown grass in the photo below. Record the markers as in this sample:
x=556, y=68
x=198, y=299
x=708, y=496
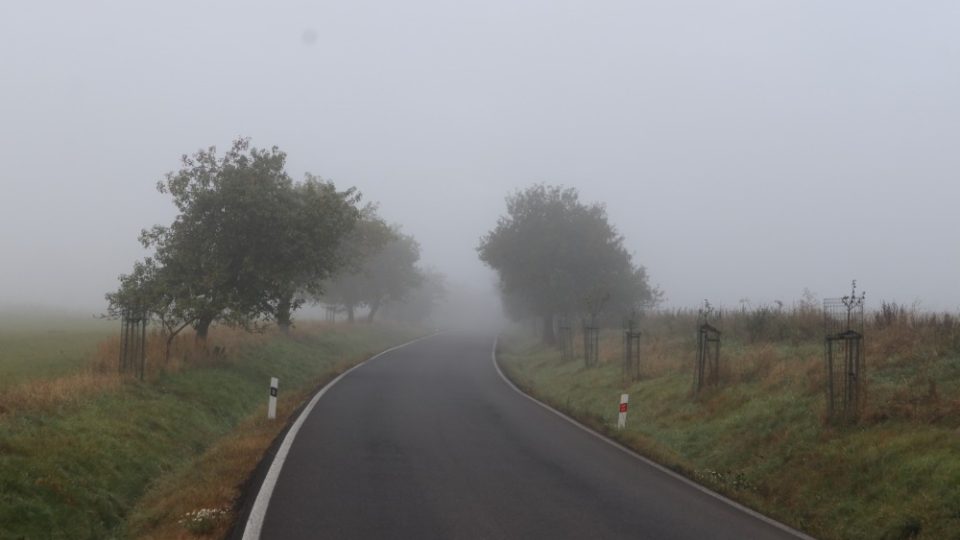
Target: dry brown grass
x=660, y=355
x=185, y=350
x=48, y=394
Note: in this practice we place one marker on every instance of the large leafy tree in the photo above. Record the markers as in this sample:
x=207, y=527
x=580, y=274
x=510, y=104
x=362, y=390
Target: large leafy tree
x=307, y=250
x=247, y=239
x=226, y=205
x=558, y=256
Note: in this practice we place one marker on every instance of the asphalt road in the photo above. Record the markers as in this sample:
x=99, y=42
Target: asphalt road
x=428, y=441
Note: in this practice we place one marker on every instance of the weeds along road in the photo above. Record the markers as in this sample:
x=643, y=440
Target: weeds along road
x=428, y=441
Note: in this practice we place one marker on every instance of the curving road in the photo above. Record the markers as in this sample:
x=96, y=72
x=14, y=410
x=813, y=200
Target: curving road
x=428, y=441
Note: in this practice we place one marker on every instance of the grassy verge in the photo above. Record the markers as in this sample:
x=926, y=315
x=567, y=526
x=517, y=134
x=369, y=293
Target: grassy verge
x=761, y=439
x=132, y=459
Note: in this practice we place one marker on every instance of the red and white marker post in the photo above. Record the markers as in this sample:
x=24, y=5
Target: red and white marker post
x=622, y=420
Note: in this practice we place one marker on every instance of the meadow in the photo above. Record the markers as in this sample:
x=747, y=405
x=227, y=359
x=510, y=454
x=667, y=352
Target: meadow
x=762, y=436
x=39, y=344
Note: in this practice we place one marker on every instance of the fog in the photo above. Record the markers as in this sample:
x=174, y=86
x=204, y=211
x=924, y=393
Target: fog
x=745, y=149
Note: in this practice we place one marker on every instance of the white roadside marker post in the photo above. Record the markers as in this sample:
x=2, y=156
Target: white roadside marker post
x=622, y=420
x=272, y=403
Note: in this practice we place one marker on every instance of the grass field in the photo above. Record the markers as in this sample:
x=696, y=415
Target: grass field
x=116, y=458
x=43, y=344
x=762, y=438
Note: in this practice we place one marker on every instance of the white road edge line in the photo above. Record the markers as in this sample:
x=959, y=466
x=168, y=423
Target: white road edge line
x=254, y=524
x=647, y=461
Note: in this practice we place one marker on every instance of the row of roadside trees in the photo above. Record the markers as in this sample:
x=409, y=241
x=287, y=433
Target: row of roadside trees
x=250, y=245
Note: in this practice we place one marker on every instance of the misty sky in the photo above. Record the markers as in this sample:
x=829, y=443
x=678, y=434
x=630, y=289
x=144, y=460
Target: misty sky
x=745, y=149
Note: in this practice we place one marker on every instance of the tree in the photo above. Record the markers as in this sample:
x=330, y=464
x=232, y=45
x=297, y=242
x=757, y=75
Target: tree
x=391, y=273
x=557, y=256
x=419, y=303
x=225, y=206
x=152, y=290
x=247, y=239
x=361, y=244
x=307, y=248
x=381, y=268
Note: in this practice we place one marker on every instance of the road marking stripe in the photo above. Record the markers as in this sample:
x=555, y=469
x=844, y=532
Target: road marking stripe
x=661, y=468
x=254, y=524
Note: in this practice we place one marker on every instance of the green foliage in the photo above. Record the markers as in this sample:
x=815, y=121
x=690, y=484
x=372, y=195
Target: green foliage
x=227, y=208
x=306, y=251
x=248, y=243
x=381, y=267
x=557, y=255
x=157, y=292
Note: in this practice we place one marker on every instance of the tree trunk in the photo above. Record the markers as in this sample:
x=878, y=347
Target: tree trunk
x=203, y=326
x=373, y=311
x=350, y=313
x=283, y=315
x=548, y=337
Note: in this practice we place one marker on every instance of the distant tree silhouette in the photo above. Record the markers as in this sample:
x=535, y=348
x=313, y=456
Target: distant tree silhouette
x=558, y=256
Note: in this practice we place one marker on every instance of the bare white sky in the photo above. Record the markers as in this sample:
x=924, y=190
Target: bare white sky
x=746, y=149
